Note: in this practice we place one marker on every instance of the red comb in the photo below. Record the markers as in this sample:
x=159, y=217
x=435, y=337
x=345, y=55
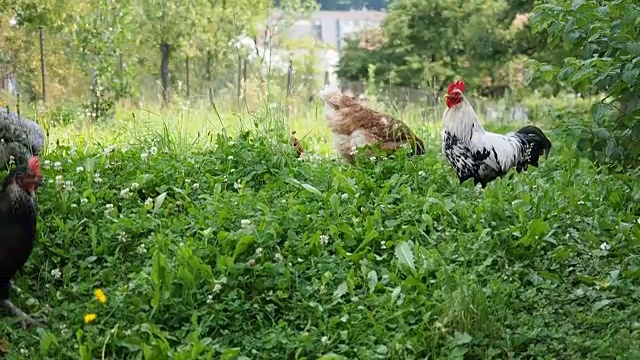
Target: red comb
x=456, y=85
x=34, y=164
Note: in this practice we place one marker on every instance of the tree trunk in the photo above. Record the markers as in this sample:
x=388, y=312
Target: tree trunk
x=165, y=52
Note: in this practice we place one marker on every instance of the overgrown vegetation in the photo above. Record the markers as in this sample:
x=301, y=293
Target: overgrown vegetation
x=211, y=240
x=606, y=38
x=242, y=250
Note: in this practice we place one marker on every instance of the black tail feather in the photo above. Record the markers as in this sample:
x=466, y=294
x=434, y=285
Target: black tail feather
x=539, y=143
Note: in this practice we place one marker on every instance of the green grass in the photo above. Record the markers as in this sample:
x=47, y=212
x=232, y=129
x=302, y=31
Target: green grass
x=245, y=252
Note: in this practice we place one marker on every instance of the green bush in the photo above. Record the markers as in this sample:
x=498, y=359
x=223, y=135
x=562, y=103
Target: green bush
x=607, y=36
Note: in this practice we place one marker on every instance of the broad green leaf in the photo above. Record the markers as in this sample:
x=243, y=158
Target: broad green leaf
x=230, y=353
x=159, y=200
x=341, y=290
x=395, y=293
x=631, y=76
x=372, y=280
x=600, y=304
x=462, y=338
x=243, y=244
x=404, y=254
x=331, y=356
x=537, y=228
x=334, y=200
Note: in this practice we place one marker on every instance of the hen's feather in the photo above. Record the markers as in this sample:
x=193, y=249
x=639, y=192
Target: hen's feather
x=354, y=125
x=484, y=156
x=19, y=138
x=17, y=232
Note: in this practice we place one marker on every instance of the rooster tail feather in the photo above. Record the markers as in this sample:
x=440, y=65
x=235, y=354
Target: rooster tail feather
x=540, y=144
x=331, y=94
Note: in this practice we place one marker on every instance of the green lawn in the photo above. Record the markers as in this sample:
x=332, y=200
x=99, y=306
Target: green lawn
x=214, y=246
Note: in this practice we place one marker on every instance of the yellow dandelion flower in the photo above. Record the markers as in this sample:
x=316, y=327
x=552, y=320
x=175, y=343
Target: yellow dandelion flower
x=101, y=296
x=90, y=318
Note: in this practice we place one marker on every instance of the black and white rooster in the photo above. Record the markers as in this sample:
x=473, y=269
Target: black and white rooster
x=476, y=153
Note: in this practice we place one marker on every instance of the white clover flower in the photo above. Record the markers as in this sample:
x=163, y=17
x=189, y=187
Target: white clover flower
x=209, y=299
x=142, y=249
x=245, y=223
x=84, y=201
x=195, y=186
x=217, y=288
x=79, y=169
x=383, y=245
x=421, y=173
x=108, y=150
x=134, y=186
x=57, y=165
x=187, y=181
x=144, y=156
x=59, y=180
x=259, y=252
x=148, y=202
x=68, y=185
x=122, y=237
x=230, y=157
x=73, y=206
x=153, y=150
x=324, y=239
x=125, y=193
x=47, y=164
x=278, y=257
x=109, y=207
x=345, y=196
x=56, y=273
x=324, y=340
x=97, y=178
x=605, y=247
x=237, y=185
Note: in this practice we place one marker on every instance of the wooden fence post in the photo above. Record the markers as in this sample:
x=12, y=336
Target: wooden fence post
x=290, y=79
x=42, y=68
x=188, y=85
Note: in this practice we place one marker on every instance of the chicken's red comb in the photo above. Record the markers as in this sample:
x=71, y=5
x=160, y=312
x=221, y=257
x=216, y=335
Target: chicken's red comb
x=34, y=164
x=456, y=85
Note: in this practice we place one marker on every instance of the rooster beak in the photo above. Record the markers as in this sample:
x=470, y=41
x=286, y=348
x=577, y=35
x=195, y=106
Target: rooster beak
x=446, y=95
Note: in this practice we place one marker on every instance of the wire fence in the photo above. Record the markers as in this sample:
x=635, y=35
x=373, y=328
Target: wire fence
x=245, y=80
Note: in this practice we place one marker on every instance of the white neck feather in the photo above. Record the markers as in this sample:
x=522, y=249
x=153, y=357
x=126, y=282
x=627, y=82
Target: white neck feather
x=461, y=120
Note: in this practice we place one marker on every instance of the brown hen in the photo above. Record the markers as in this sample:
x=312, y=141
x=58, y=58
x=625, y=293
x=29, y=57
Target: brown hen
x=354, y=126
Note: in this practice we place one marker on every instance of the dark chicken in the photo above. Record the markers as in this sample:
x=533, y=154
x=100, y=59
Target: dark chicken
x=18, y=210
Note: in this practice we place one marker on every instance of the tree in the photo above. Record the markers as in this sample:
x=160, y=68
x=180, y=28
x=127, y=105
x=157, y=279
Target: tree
x=171, y=26
x=605, y=35
x=433, y=41
x=100, y=32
